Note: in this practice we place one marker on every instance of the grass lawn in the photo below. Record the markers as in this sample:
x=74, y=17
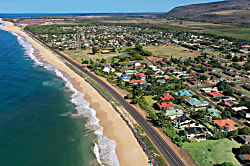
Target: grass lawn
x=243, y=90
x=220, y=151
x=171, y=50
x=150, y=100
x=86, y=55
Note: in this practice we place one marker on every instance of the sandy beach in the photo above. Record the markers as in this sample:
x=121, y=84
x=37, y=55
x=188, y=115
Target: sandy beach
x=128, y=149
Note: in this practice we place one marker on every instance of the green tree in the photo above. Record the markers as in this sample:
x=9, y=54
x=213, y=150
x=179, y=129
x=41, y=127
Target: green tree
x=227, y=164
x=94, y=50
x=103, y=60
x=85, y=62
x=226, y=114
x=245, y=149
x=138, y=48
x=244, y=131
x=235, y=59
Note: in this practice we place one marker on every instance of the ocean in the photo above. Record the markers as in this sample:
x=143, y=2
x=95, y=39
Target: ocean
x=36, y=106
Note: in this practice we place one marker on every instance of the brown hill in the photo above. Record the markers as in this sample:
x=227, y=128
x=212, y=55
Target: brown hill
x=232, y=11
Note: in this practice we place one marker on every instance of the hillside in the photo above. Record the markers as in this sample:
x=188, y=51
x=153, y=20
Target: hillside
x=232, y=11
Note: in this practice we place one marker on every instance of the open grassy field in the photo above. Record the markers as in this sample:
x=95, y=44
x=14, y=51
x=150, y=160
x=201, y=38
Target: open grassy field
x=171, y=50
x=150, y=100
x=80, y=55
x=211, y=152
x=224, y=30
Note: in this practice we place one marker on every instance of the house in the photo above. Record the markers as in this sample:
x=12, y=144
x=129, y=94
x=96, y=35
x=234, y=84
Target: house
x=166, y=77
x=131, y=72
x=244, y=158
x=231, y=74
x=141, y=75
x=125, y=77
x=225, y=124
x=246, y=86
x=195, y=132
x=137, y=64
x=230, y=103
x=145, y=84
x=161, y=81
x=108, y=70
x=118, y=74
x=183, y=122
x=155, y=76
x=193, y=81
x=213, y=112
x=174, y=112
x=197, y=103
x=224, y=98
x=214, y=94
x=207, y=90
x=217, y=75
x=244, y=139
x=183, y=93
x=236, y=109
x=166, y=105
x=247, y=116
x=135, y=82
x=167, y=96
x=127, y=64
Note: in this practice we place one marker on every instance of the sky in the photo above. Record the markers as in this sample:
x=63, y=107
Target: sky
x=92, y=6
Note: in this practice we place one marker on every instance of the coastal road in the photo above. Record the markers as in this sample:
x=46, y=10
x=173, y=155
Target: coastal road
x=165, y=150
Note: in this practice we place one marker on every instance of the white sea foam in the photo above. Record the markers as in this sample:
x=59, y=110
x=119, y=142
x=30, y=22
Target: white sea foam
x=104, y=148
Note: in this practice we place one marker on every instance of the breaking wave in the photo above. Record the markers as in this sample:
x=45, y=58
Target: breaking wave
x=104, y=148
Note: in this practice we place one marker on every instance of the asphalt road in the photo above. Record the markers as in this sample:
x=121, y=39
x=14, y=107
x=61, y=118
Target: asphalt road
x=168, y=154
x=159, y=142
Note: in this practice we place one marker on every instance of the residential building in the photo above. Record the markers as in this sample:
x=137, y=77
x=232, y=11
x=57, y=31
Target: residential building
x=166, y=105
x=125, y=77
x=167, y=96
x=195, y=132
x=244, y=139
x=183, y=93
x=225, y=124
x=197, y=103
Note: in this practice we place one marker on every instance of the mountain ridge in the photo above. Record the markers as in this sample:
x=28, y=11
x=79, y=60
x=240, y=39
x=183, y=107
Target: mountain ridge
x=230, y=11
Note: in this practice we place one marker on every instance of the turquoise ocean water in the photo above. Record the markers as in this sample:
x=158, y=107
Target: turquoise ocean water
x=36, y=103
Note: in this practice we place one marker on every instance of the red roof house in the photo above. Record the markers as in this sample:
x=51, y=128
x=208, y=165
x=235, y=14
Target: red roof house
x=230, y=103
x=225, y=124
x=156, y=75
x=165, y=105
x=166, y=77
x=140, y=75
x=215, y=94
x=135, y=82
x=167, y=96
x=192, y=80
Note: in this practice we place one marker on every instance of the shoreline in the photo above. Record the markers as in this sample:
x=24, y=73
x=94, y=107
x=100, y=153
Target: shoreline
x=128, y=149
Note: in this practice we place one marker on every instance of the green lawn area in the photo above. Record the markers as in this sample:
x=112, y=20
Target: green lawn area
x=170, y=50
x=234, y=32
x=220, y=151
x=150, y=100
x=244, y=90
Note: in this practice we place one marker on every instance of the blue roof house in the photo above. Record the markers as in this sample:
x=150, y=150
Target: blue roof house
x=197, y=103
x=213, y=112
x=125, y=77
x=183, y=93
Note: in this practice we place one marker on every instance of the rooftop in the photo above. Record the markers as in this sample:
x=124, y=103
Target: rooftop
x=165, y=104
x=225, y=123
x=167, y=96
